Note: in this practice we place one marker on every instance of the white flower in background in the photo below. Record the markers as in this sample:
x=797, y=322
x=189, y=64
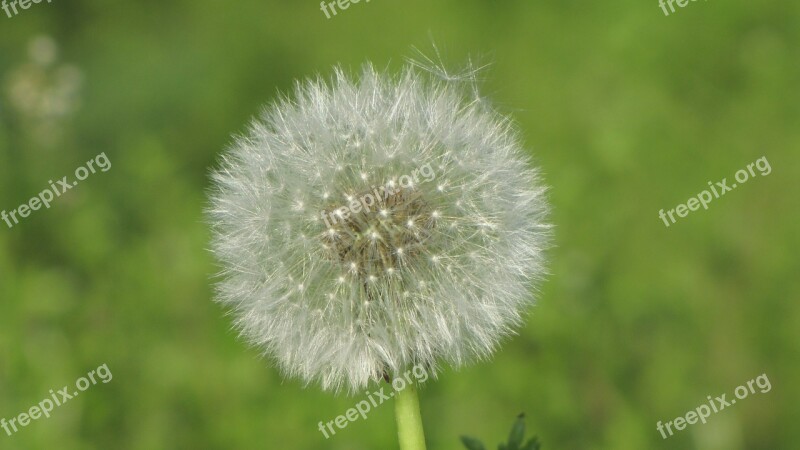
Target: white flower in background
x=343, y=291
x=43, y=92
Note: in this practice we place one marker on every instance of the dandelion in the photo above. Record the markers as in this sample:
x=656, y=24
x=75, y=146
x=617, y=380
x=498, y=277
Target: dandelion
x=373, y=223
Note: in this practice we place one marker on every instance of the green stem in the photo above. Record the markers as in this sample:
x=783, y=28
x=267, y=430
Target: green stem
x=409, y=420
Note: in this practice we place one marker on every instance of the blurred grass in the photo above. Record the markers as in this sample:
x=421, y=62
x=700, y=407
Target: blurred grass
x=626, y=110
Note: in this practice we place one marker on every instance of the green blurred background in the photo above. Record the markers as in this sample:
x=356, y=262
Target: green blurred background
x=627, y=111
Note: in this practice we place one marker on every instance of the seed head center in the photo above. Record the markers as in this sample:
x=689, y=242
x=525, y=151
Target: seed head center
x=379, y=238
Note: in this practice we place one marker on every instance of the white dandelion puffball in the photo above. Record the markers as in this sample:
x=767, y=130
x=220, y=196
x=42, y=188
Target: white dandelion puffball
x=374, y=223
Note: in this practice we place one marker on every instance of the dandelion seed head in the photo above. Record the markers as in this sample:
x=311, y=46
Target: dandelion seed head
x=437, y=268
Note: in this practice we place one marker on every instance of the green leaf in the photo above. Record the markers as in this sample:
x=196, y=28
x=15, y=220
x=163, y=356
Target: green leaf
x=472, y=443
x=517, y=433
x=515, y=439
x=533, y=444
